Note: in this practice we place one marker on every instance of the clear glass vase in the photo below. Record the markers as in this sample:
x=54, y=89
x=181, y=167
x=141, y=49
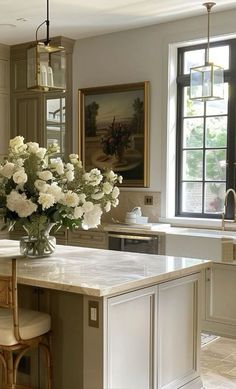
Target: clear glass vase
x=38, y=246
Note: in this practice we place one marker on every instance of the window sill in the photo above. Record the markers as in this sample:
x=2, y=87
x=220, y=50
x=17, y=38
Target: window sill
x=198, y=223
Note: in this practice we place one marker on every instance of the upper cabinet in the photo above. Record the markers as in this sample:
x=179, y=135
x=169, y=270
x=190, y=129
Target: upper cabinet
x=37, y=115
x=4, y=98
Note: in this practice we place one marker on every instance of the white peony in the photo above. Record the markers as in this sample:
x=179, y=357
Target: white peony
x=25, y=208
x=20, y=177
x=115, y=192
x=17, y=144
x=12, y=199
x=92, y=218
x=45, y=175
x=107, y=187
x=58, y=165
x=41, y=185
x=46, y=200
x=70, y=199
x=78, y=212
x=111, y=176
x=8, y=169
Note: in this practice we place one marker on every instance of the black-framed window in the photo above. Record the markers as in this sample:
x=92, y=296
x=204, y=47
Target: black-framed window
x=206, y=132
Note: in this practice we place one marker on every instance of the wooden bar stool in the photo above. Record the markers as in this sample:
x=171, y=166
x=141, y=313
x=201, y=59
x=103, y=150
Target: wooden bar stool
x=20, y=330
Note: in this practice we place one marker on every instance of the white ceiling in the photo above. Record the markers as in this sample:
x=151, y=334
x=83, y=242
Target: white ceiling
x=83, y=18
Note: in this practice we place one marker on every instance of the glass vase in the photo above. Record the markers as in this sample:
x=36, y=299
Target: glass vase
x=42, y=245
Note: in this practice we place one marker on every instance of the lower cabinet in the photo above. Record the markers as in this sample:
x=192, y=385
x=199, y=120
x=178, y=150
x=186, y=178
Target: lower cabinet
x=220, y=292
x=153, y=337
x=93, y=239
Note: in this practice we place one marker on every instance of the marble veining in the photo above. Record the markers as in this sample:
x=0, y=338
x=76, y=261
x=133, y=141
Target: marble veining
x=97, y=272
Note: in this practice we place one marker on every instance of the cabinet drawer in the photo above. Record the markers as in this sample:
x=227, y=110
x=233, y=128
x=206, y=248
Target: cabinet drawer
x=96, y=239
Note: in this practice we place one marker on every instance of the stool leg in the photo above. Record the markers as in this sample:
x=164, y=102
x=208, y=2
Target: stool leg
x=4, y=367
x=49, y=364
x=9, y=361
x=17, y=361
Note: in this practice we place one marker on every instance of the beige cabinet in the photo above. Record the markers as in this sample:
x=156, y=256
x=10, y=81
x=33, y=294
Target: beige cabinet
x=4, y=98
x=220, y=292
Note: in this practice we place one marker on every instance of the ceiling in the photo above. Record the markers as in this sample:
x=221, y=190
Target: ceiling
x=79, y=19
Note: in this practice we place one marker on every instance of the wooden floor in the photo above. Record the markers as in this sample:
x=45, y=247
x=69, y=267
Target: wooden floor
x=218, y=364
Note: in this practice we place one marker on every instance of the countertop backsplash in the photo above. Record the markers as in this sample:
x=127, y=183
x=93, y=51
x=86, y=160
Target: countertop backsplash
x=131, y=199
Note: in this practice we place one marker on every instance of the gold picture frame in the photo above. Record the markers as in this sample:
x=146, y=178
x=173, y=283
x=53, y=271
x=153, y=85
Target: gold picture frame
x=114, y=130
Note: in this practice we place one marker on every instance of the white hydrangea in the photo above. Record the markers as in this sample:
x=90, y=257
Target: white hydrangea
x=45, y=175
x=47, y=200
x=111, y=176
x=73, y=158
x=69, y=166
x=92, y=218
x=41, y=152
x=82, y=198
x=58, y=165
x=115, y=192
x=87, y=206
x=115, y=202
x=107, y=206
x=12, y=199
x=70, y=175
x=33, y=147
x=55, y=190
x=70, y=199
x=7, y=170
x=94, y=177
x=107, y=187
x=20, y=177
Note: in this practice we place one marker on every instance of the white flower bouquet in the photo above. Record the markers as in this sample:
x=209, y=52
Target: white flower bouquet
x=37, y=188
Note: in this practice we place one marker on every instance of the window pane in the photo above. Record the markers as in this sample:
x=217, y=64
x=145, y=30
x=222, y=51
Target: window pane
x=216, y=131
x=193, y=133
x=220, y=56
x=214, y=197
x=215, y=165
x=218, y=107
x=192, y=165
x=192, y=107
x=192, y=197
x=193, y=58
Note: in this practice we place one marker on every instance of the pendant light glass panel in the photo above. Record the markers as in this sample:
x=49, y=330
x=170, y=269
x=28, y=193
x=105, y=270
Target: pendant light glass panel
x=46, y=67
x=207, y=82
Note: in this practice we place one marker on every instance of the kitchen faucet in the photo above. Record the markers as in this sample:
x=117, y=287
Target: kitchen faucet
x=225, y=205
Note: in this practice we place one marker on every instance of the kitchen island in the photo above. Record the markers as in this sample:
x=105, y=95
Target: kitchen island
x=120, y=320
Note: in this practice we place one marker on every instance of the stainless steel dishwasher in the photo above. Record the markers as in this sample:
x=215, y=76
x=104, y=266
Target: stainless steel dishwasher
x=133, y=243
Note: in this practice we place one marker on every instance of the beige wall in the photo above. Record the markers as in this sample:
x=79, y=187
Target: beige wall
x=138, y=55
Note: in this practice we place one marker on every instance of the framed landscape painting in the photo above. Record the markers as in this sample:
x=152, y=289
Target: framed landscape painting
x=114, y=130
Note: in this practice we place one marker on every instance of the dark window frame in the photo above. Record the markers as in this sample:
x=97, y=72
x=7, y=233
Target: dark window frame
x=183, y=80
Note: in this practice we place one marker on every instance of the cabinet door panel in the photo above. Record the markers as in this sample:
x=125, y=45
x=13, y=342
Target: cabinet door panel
x=27, y=118
x=130, y=340
x=220, y=294
x=178, y=325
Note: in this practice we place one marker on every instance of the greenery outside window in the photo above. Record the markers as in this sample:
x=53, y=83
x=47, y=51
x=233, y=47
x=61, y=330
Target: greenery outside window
x=206, y=133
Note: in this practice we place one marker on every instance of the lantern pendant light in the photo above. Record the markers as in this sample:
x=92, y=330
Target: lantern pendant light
x=207, y=81
x=46, y=64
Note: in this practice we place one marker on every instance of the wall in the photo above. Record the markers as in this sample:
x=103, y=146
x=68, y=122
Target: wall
x=138, y=55
x=4, y=98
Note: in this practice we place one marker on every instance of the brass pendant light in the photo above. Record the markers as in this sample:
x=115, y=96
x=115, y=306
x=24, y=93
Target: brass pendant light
x=46, y=64
x=207, y=81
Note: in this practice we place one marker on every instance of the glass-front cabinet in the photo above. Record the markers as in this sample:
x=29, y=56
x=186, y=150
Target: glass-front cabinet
x=56, y=122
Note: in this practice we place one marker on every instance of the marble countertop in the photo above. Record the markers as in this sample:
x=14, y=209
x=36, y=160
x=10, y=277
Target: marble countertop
x=97, y=272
